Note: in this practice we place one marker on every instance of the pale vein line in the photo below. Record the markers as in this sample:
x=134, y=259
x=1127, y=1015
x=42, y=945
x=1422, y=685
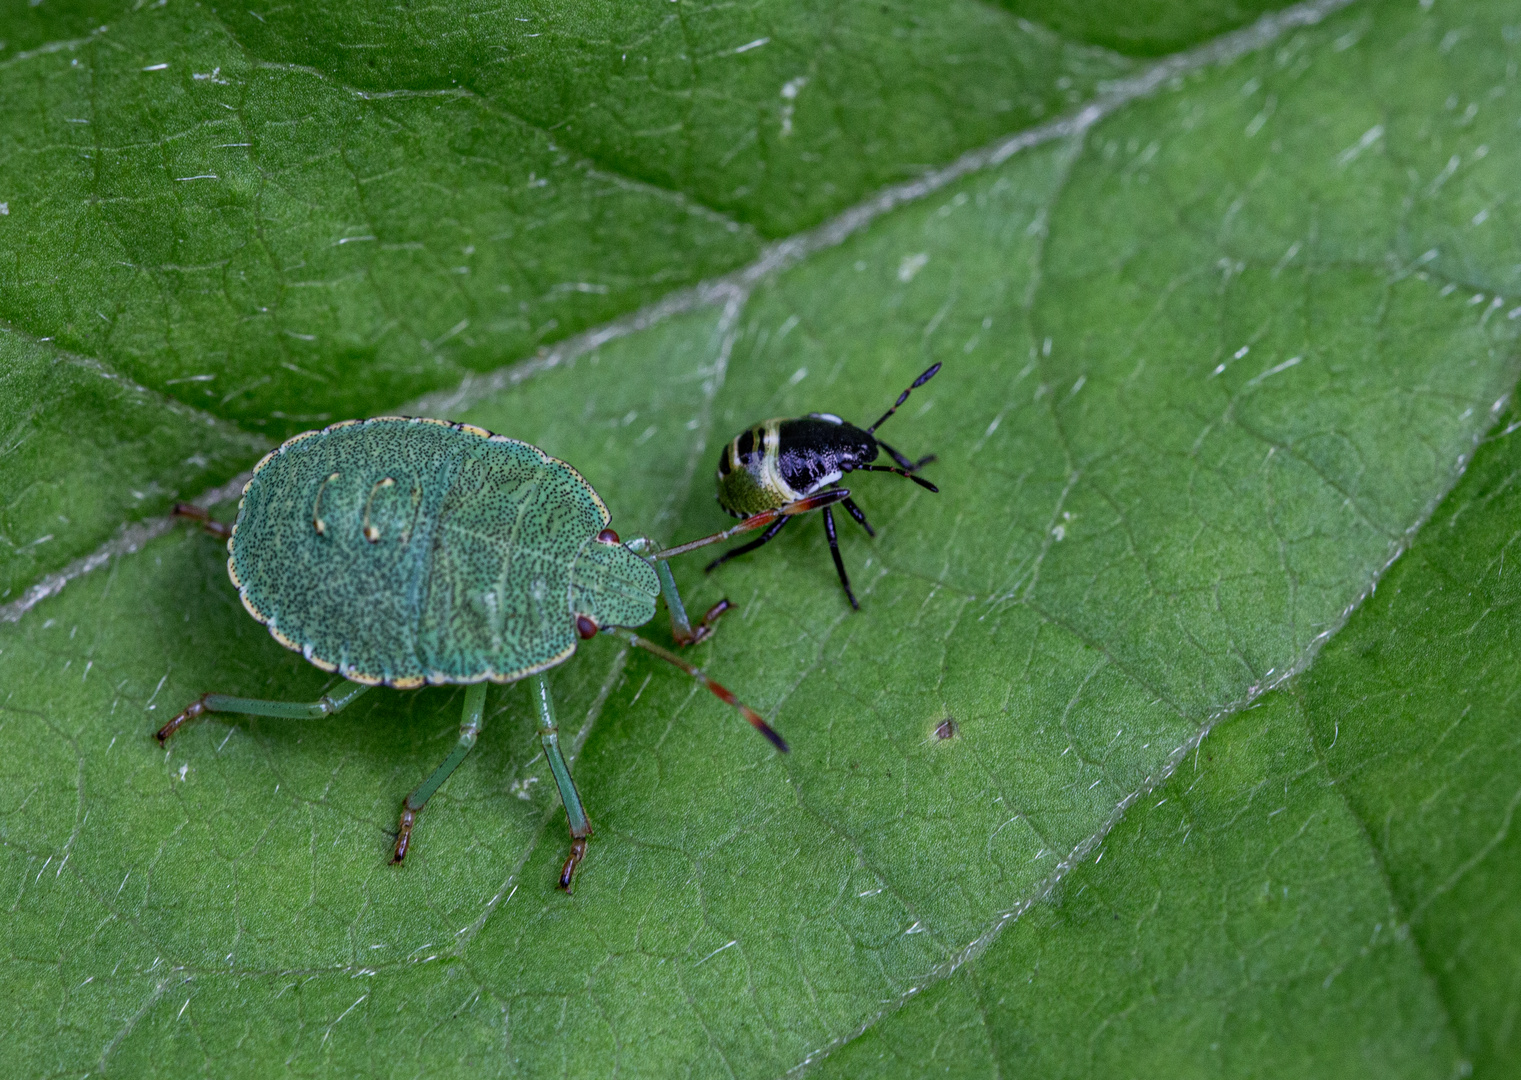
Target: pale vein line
x=52, y=47
x=132, y=536
x=1500, y=836
x=787, y=253
x=172, y=405
x=159, y=990
x=130, y=539
x=1270, y=681
x=777, y=257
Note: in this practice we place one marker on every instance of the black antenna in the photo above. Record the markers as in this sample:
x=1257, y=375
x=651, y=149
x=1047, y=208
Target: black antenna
x=921, y=481
x=920, y=381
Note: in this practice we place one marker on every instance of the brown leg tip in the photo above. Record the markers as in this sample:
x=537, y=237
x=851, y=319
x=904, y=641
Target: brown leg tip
x=403, y=837
x=195, y=513
x=191, y=711
x=577, y=853
x=704, y=629
x=716, y=610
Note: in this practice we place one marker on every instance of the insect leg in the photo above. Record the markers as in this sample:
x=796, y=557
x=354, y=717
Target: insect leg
x=920, y=381
x=723, y=693
x=908, y=466
x=776, y=527
x=326, y=705
x=575, y=813
x=710, y=617
x=855, y=512
x=921, y=481
x=839, y=563
x=469, y=731
x=681, y=626
x=195, y=513
x=758, y=521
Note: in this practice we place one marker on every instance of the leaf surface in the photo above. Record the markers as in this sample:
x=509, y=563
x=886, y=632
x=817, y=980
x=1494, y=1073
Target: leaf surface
x=282, y=218
x=1211, y=355
x=1324, y=887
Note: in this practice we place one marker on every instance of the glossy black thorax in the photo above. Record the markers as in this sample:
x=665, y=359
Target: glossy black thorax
x=819, y=448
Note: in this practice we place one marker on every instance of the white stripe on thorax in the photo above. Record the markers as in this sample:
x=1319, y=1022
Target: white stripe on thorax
x=771, y=473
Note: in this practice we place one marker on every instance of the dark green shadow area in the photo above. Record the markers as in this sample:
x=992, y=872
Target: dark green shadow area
x=1141, y=27
x=1416, y=711
x=41, y=24
x=779, y=114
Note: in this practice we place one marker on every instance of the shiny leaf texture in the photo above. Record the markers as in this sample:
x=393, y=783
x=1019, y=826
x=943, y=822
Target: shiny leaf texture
x=1100, y=778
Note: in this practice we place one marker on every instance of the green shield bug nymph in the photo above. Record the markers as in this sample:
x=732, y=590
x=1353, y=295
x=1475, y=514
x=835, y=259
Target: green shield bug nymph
x=777, y=462
x=409, y=552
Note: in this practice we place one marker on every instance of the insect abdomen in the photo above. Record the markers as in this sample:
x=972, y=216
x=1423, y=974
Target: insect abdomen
x=474, y=584
x=748, y=482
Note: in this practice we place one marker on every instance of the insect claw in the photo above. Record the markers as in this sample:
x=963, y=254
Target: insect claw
x=403, y=835
x=577, y=853
x=704, y=629
x=712, y=614
x=190, y=712
x=921, y=481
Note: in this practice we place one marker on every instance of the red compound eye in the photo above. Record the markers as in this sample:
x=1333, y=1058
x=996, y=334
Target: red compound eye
x=607, y=536
x=585, y=627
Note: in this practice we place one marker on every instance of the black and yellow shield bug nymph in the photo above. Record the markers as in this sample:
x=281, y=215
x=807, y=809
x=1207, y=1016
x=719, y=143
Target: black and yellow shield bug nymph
x=778, y=462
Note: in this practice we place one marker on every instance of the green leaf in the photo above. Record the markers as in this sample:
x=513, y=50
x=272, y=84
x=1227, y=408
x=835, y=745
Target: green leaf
x=1324, y=887
x=1213, y=350
x=86, y=447
x=266, y=218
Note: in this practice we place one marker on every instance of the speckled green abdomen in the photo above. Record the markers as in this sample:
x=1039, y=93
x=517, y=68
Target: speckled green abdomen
x=405, y=552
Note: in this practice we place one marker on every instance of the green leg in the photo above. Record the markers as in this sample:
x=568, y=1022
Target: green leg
x=326, y=705
x=681, y=626
x=469, y=731
x=575, y=813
